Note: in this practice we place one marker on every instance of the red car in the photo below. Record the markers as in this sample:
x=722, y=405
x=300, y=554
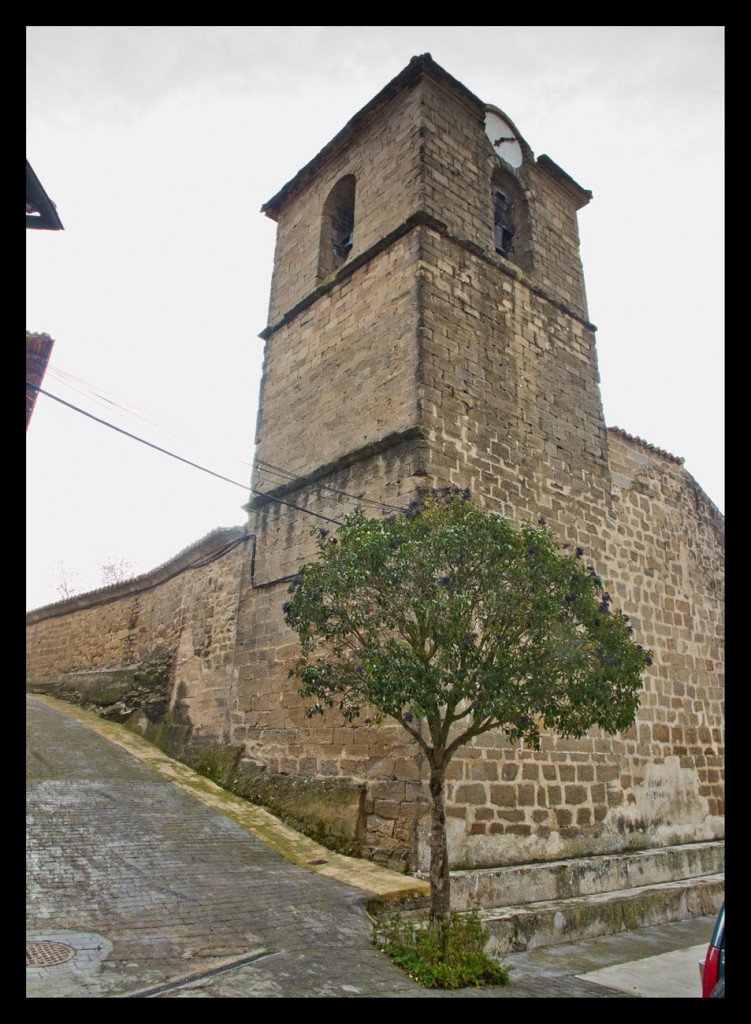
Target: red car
x=712, y=968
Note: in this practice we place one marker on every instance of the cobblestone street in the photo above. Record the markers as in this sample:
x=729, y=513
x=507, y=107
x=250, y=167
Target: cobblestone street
x=137, y=888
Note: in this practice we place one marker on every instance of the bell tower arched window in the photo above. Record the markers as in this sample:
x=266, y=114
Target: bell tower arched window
x=503, y=222
x=337, y=227
x=511, y=234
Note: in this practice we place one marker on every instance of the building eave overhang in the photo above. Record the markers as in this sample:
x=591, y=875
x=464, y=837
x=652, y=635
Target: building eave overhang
x=581, y=196
x=44, y=214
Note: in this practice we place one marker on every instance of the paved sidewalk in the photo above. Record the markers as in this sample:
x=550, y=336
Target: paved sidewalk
x=146, y=880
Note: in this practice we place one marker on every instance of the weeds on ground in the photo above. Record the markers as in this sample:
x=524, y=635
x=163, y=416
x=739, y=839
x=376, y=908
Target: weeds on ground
x=416, y=947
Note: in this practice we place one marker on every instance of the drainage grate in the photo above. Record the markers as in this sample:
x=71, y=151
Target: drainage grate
x=48, y=954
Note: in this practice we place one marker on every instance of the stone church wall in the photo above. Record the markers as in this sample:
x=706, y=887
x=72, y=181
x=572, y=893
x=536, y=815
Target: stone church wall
x=164, y=641
x=230, y=656
x=662, y=782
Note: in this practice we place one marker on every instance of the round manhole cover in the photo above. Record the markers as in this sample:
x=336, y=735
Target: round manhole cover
x=48, y=954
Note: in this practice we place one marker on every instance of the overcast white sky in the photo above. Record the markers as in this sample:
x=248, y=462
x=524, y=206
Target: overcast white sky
x=160, y=143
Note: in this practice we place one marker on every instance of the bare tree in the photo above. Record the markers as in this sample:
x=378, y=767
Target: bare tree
x=116, y=570
x=68, y=582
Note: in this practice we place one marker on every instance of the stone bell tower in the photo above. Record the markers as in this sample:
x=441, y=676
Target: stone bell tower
x=428, y=320
x=428, y=327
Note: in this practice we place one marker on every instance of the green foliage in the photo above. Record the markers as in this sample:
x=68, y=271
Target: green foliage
x=453, y=615
x=417, y=947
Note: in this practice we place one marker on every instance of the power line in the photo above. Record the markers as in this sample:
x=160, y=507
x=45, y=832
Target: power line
x=180, y=458
x=101, y=397
x=269, y=467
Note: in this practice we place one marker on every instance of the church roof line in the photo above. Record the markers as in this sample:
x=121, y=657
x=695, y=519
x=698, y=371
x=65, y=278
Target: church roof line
x=619, y=432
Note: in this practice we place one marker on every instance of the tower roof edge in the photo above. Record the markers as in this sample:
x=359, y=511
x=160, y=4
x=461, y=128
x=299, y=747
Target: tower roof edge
x=419, y=66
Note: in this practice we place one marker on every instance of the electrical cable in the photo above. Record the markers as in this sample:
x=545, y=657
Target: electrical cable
x=269, y=467
x=101, y=397
x=195, y=465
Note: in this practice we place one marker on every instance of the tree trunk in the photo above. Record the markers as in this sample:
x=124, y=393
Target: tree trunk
x=440, y=883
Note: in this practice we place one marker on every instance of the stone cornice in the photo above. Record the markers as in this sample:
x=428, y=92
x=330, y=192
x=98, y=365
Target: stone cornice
x=420, y=217
x=326, y=469
x=619, y=432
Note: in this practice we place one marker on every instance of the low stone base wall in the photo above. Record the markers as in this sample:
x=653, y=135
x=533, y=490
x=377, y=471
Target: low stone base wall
x=331, y=811
x=217, y=761
x=113, y=692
